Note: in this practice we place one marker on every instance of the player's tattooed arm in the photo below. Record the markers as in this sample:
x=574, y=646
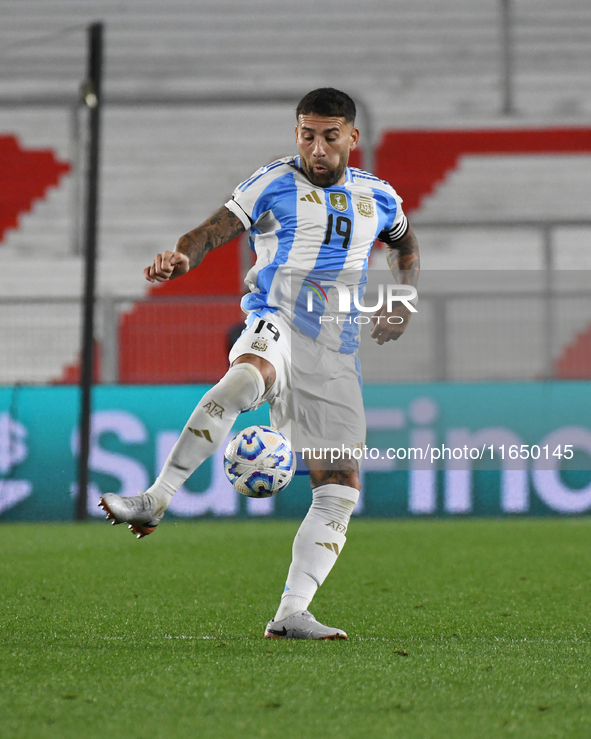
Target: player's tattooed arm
x=403, y=260
x=218, y=229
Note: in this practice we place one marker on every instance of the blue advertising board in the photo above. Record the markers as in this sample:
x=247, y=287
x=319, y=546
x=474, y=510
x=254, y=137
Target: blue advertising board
x=431, y=450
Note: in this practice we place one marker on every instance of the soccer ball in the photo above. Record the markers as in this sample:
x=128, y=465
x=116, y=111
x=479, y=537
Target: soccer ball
x=259, y=462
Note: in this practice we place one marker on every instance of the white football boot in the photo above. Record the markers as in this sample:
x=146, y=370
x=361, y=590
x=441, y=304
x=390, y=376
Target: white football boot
x=302, y=625
x=142, y=512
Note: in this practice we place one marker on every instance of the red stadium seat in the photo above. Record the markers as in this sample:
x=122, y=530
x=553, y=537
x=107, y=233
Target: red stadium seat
x=416, y=161
x=180, y=335
x=26, y=177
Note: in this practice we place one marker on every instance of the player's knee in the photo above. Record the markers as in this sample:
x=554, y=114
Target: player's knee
x=243, y=386
x=349, y=478
x=265, y=368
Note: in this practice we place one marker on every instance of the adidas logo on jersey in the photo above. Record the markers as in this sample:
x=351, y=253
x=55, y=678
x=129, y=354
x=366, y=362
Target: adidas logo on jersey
x=312, y=197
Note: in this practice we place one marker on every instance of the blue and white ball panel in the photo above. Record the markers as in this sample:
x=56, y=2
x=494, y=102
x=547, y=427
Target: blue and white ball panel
x=259, y=462
x=251, y=445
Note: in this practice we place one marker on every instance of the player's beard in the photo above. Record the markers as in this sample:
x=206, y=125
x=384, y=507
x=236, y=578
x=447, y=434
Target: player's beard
x=328, y=178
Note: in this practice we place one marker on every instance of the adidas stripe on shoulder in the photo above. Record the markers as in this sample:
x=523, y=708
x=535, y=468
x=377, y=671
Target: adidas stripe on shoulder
x=285, y=162
x=361, y=174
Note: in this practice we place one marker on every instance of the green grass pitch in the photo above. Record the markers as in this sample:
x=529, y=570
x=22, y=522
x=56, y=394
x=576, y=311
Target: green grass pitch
x=457, y=628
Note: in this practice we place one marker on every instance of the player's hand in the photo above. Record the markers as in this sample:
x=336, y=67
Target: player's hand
x=389, y=325
x=166, y=266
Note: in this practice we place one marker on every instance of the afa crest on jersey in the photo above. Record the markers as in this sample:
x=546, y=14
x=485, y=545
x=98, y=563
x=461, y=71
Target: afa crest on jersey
x=365, y=207
x=260, y=345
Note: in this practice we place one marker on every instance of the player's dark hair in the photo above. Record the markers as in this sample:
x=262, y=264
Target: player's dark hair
x=326, y=101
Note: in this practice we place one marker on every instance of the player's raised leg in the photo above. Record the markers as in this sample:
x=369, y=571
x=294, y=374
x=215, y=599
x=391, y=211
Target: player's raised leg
x=241, y=388
x=316, y=547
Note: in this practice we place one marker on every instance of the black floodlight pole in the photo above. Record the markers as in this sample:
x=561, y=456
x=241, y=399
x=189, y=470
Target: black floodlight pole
x=91, y=97
x=507, y=67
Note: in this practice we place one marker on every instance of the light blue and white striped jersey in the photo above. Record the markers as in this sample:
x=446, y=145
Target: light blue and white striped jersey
x=309, y=238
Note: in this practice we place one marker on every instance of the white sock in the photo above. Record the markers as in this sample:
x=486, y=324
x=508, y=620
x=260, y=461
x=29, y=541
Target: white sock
x=318, y=543
x=208, y=426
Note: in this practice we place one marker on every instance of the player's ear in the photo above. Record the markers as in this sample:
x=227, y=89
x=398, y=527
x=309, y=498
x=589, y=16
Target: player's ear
x=354, y=138
x=296, y=133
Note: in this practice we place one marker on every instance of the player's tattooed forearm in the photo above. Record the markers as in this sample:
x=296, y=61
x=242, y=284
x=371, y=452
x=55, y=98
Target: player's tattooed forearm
x=404, y=258
x=221, y=227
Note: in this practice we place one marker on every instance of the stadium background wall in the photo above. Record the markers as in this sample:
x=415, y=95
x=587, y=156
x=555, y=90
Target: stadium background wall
x=133, y=430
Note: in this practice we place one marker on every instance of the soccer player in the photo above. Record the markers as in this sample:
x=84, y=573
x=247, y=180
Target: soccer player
x=312, y=222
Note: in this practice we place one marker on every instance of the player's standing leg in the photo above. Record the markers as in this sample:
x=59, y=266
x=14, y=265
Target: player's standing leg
x=316, y=547
x=327, y=405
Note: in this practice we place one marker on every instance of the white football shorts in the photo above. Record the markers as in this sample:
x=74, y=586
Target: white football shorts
x=316, y=399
